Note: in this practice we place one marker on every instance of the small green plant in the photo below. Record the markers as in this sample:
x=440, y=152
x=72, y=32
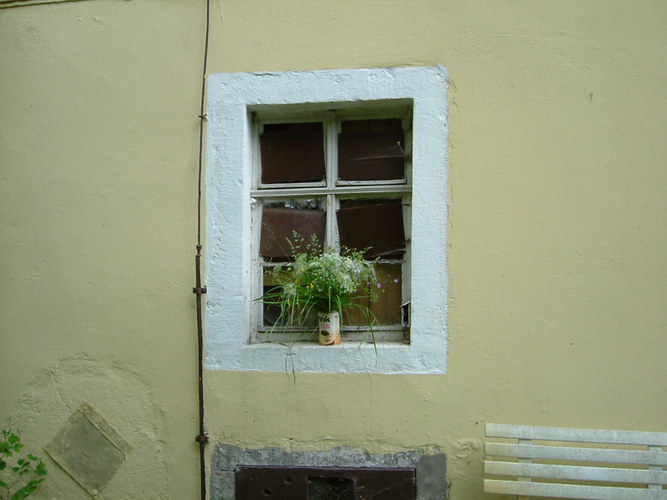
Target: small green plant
x=322, y=282
x=25, y=472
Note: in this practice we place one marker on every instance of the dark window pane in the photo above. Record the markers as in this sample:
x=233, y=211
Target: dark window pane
x=284, y=227
x=292, y=152
x=272, y=312
x=376, y=225
x=371, y=150
x=271, y=306
x=331, y=488
x=386, y=306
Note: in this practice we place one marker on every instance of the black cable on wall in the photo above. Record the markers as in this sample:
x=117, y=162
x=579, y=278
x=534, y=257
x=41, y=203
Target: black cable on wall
x=202, y=438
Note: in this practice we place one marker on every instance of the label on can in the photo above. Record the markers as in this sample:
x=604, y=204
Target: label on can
x=329, y=328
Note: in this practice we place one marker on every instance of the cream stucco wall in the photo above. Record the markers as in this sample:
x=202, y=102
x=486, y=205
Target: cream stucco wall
x=557, y=226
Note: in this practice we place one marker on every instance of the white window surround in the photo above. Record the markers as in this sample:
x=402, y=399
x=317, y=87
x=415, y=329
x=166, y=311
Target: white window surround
x=231, y=99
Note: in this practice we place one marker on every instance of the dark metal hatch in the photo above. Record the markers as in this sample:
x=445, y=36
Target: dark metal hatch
x=324, y=483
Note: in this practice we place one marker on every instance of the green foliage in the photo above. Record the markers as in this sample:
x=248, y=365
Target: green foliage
x=321, y=282
x=24, y=473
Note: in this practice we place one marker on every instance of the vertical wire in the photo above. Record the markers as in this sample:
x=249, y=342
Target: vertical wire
x=202, y=118
x=202, y=438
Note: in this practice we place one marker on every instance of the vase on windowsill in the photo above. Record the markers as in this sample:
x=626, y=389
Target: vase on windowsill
x=330, y=283
x=329, y=328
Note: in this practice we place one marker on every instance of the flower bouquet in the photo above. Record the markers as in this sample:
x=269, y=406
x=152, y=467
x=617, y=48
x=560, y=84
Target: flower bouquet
x=328, y=284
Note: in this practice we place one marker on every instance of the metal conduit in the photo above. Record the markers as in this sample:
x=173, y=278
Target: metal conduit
x=202, y=438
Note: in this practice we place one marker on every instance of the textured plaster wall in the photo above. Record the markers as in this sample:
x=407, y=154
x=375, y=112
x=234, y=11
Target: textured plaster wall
x=98, y=172
x=557, y=226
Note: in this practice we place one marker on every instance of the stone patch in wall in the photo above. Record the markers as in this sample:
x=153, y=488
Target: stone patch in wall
x=88, y=449
x=117, y=392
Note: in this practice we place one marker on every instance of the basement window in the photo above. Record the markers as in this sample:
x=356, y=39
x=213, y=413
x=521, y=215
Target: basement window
x=356, y=158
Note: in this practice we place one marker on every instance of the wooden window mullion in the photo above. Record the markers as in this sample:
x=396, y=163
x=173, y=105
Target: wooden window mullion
x=331, y=155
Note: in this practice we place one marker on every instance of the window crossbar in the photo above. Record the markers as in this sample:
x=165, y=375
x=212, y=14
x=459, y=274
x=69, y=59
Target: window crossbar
x=341, y=190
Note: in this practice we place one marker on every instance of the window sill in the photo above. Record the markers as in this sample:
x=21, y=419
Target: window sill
x=348, y=357
x=423, y=356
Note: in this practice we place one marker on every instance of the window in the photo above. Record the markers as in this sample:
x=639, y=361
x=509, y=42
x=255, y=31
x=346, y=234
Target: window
x=344, y=177
x=356, y=157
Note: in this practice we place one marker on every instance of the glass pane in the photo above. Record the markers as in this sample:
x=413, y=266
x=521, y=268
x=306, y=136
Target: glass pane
x=271, y=310
x=274, y=311
x=289, y=226
x=371, y=150
x=292, y=152
x=387, y=306
x=386, y=302
x=372, y=225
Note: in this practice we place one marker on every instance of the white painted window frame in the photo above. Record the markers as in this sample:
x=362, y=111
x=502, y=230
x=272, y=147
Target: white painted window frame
x=232, y=98
x=331, y=190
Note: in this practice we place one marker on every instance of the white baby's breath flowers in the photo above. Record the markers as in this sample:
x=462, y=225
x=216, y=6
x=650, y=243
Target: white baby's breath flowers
x=324, y=282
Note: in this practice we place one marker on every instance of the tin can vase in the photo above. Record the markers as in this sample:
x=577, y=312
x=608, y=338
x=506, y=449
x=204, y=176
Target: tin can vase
x=329, y=324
